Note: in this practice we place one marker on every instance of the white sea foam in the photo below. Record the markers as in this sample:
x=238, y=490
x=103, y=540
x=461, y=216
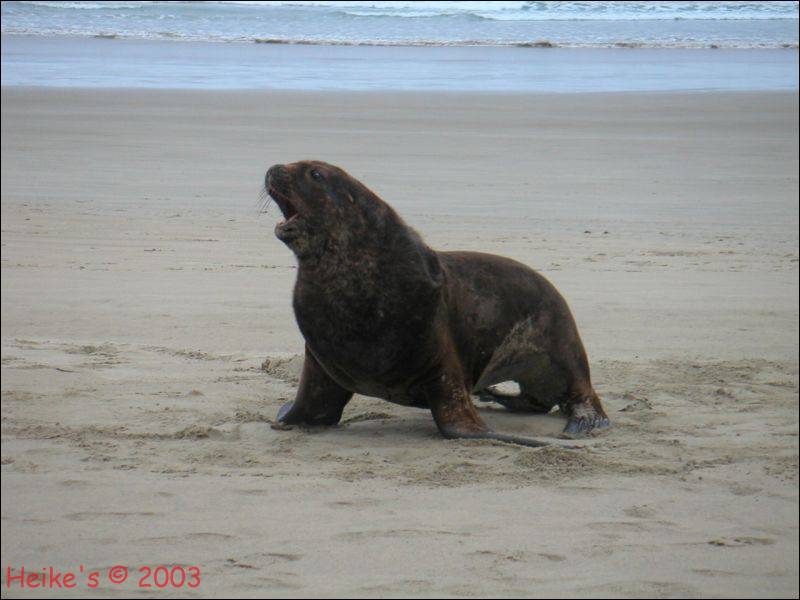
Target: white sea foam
x=571, y=24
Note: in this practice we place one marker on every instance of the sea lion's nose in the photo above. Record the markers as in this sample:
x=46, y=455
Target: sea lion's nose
x=274, y=174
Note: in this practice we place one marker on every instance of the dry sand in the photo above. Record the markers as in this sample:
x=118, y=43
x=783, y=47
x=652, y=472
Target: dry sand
x=141, y=294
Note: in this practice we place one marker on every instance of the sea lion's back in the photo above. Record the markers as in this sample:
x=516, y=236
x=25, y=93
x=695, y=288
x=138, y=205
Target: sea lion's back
x=521, y=288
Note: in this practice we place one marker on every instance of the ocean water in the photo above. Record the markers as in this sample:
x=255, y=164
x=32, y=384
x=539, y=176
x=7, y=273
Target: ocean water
x=571, y=24
x=456, y=46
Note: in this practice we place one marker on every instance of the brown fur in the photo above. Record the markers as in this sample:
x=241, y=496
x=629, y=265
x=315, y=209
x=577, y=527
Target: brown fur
x=384, y=315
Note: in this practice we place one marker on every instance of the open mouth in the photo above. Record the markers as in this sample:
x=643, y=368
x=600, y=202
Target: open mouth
x=288, y=209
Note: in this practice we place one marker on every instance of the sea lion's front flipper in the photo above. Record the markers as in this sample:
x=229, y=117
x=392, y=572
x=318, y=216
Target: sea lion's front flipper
x=319, y=401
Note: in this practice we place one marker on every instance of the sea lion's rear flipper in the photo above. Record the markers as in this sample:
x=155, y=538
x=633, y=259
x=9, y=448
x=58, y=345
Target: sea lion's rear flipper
x=457, y=418
x=524, y=357
x=585, y=415
x=319, y=401
x=549, y=373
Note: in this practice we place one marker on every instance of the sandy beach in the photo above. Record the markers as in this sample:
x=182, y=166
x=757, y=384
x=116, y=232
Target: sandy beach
x=148, y=340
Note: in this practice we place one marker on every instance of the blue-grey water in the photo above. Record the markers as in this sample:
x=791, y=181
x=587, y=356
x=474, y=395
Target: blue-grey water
x=573, y=24
x=458, y=46
x=78, y=62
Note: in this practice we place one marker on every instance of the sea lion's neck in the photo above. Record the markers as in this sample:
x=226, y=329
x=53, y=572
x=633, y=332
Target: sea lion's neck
x=387, y=259
x=365, y=258
x=358, y=309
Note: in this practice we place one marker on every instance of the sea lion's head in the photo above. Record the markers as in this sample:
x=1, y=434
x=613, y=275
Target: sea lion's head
x=324, y=208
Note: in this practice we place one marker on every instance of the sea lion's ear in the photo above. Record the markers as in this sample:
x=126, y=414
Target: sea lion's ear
x=433, y=267
x=344, y=193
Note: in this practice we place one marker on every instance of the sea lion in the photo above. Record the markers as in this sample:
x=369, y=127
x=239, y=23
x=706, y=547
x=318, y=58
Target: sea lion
x=384, y=315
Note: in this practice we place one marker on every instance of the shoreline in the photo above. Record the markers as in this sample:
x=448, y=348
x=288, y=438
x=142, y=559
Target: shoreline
x=388, y=93
x=537, y=44
x=120, y=63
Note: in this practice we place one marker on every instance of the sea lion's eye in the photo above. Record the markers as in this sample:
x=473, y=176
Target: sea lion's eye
x=316, y=175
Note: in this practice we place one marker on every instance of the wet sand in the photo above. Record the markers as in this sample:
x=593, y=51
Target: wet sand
x=148, y=340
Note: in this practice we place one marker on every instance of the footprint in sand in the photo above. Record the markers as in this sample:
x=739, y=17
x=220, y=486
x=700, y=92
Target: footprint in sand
x=618, y=526
x=358, y=503
x=392, y=533
x=641, y=512
x=519, y=556
x=271, y=583
x=90, y=516
x=260, y=560
x=75, y=483
x=742, y=541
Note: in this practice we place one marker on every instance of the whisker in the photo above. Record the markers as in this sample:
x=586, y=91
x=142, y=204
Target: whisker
x=264, y=202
